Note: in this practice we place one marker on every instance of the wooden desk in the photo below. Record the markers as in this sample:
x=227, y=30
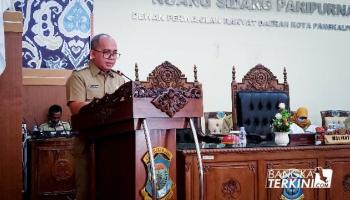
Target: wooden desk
x=240, y=173
x=52, y=169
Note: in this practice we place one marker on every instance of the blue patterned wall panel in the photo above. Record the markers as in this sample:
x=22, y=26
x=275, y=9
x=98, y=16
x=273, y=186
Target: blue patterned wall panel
x=56, y=34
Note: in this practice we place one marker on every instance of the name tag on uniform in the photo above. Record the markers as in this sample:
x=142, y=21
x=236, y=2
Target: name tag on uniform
x=94, y=86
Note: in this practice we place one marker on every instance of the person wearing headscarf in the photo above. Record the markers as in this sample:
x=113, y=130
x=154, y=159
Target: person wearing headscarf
x=301, y=122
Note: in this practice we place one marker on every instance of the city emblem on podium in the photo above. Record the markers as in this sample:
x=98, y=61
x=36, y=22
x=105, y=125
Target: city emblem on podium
x=165, y=186
x=291, y=192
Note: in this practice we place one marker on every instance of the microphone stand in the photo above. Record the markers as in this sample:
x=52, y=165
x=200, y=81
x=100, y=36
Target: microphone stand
x=25, y=149
x=122, y=74
x=65, y=130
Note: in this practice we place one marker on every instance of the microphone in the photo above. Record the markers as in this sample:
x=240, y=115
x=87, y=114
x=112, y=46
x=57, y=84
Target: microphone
x=64, y=129
x=122, y=74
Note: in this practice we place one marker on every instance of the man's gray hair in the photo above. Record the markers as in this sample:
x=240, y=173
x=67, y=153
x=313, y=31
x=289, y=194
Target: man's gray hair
x=95, y=41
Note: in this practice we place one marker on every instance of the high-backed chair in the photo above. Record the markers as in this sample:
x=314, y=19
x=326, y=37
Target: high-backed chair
x=334, y=117
x=255, y=100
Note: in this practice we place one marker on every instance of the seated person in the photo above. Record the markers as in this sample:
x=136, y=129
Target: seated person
x=347, y=122
x=301, y=123
x=54, y=122
x=227, y=124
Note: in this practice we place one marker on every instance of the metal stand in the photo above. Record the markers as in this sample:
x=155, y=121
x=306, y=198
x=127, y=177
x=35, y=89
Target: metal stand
x=25, y=138
x=151, y=156
x=199, y=159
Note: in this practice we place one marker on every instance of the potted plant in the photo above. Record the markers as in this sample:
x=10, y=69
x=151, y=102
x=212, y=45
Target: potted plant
x=281, y=125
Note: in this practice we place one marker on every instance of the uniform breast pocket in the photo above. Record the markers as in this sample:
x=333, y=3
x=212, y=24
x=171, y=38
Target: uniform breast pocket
x=91, y=93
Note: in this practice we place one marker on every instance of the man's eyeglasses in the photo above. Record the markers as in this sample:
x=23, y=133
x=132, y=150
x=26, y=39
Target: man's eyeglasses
x=108, y=53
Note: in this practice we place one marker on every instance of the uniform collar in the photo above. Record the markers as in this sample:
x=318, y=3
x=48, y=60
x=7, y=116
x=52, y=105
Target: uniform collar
x=95, y=71
x=59, y=123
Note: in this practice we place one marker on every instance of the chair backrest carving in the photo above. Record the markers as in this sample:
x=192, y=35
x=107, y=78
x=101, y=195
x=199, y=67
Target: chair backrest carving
x=255, y=100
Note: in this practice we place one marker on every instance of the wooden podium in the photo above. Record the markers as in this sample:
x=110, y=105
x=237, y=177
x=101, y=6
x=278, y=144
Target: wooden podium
x=115, y=126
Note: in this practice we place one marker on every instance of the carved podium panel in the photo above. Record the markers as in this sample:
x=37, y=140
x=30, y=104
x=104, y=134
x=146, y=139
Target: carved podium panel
x=114, y=126
x=52, y=169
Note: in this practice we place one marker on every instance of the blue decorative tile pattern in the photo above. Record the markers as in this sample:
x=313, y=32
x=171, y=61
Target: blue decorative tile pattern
x=56, y=34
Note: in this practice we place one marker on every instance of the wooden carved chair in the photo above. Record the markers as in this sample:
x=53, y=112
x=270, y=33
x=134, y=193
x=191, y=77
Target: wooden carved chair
x=255, y=100
x=334, y=117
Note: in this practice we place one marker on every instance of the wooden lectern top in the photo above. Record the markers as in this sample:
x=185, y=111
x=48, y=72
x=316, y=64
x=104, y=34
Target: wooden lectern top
x=166, y=95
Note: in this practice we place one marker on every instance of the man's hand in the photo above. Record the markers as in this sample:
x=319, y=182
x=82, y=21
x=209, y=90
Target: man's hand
x=75, y=106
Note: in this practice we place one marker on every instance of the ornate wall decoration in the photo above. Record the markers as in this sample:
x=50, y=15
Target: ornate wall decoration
x=56, y=34
x=231, y=189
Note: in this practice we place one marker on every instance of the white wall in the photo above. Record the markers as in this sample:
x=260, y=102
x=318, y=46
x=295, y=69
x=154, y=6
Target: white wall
x=317, y=61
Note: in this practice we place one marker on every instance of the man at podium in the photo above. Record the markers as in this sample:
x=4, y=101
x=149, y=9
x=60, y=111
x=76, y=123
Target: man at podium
x=94, y=81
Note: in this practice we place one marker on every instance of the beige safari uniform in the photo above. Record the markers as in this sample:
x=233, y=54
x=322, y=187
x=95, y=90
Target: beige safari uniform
x=60, y=126
x=85, y=85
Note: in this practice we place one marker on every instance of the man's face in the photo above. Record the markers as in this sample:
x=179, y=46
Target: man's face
x=104, y=56
x=54, y=118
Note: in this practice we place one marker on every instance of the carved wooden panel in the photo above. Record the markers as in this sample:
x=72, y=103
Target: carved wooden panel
x=340, y=185
x=52, y=170
x=290, y=164
x=260, y=78
x=231, y=180
x=166, y=75
x=169, y=88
